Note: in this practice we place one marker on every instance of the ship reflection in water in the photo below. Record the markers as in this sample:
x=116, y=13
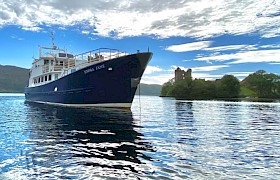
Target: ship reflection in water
x=79, y=143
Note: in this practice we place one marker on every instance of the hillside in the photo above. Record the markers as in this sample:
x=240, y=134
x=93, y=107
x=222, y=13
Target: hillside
x=13, y=79
x=149, y=89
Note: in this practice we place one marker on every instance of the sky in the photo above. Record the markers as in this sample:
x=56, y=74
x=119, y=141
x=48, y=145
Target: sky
x=212, y=37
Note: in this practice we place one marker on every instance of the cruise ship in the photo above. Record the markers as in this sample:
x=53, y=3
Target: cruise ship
x=102, y=77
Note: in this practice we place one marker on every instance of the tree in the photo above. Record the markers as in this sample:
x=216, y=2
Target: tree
x=274, y=83
x=264, y=84
x=228, y=87
x=202, y=89
x=167, y=89
x=183, y=88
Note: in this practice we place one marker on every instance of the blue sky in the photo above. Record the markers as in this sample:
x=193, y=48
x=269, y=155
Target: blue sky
x=213, y=38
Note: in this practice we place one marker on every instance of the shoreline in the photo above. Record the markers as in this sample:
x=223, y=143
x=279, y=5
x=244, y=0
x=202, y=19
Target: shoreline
x=248, y=99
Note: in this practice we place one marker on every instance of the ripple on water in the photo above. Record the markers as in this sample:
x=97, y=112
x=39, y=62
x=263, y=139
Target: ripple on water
x=160, y=139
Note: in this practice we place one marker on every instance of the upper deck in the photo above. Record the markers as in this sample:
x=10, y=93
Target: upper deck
x=54, y=63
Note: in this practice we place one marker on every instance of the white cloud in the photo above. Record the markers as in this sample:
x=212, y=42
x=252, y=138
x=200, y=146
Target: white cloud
x=270, y=56
x=197, y=69
x=206, y=76
x=209, y=68
x=157, y=79
x=165, y=18
x=152, y=69
x=189, y=46
x=231, y=47
x=85, y=32
x=239, y=75
x=270, y=46
x=174, y=67
x=32, y=28
x=156, y=75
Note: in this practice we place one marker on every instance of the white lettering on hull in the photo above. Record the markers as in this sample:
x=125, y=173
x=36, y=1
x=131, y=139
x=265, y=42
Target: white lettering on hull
x=96, y=68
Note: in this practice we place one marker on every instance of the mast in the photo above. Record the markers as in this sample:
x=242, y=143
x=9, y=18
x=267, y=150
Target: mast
x=54, y=47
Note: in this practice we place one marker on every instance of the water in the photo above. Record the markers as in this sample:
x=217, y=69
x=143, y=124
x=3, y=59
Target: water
x=162, y=139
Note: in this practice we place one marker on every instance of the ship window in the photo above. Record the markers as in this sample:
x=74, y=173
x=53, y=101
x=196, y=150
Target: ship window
x=46, y=78
x=50, y=77
x=39, y=80
x=61, y=63
x=56, y=76
x=46, y=61
x=62, y=54
x=42, y=79
x=70, y=56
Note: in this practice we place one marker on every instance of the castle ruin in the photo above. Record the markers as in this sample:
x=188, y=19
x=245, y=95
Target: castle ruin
x=181, y=74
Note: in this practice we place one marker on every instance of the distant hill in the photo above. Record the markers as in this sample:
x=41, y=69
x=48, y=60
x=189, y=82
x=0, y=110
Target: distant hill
x=149, y=89
x=13, y=79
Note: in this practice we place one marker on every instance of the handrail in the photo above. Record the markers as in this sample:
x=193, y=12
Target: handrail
x=101, y=54
x=97, y=50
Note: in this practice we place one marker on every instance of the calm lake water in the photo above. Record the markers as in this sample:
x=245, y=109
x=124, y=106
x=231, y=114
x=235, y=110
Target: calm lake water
x=161, y=139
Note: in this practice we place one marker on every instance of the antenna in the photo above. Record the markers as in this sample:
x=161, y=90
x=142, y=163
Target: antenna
x=40, y=51
x=52, y=36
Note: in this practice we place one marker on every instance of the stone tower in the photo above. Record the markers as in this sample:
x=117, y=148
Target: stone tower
x=181, y=74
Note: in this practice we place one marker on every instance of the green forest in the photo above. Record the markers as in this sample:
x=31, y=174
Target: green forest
x=257, y=85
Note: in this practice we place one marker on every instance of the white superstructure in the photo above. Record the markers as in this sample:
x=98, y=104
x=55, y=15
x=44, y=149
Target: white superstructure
x=54, y=63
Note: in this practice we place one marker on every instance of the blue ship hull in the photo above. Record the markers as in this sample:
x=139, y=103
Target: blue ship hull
x=110, y=83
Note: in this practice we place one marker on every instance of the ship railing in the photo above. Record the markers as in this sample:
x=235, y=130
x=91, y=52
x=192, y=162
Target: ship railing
x=100, y=54
x=57, y=67
x=70, y=63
